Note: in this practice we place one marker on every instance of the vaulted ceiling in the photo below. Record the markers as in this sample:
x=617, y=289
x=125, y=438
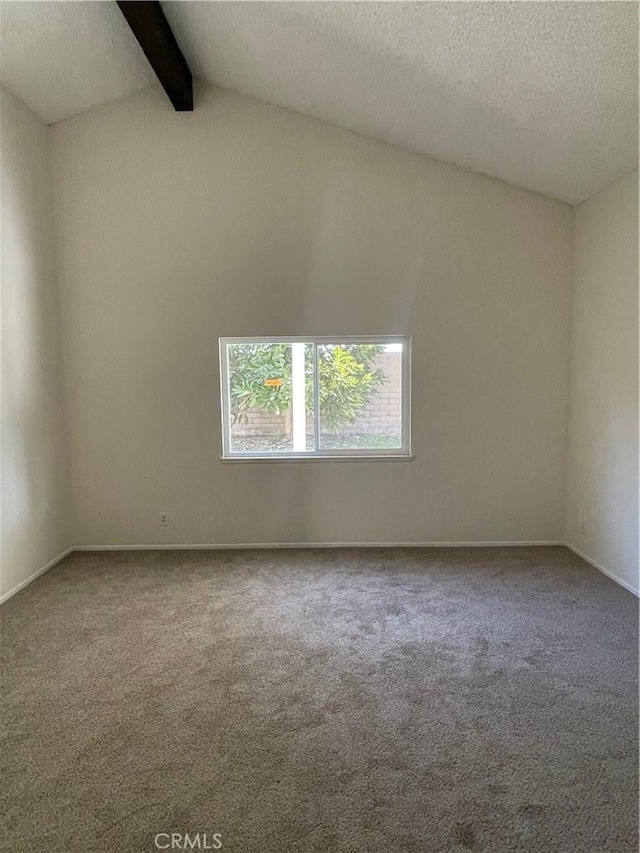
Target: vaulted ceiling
x=543, y=95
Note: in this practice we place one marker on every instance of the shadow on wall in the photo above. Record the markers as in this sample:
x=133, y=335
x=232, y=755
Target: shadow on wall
x=33, y=461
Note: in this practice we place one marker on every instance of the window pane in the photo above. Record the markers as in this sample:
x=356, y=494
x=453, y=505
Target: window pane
x=270, y=387
x=360, y=396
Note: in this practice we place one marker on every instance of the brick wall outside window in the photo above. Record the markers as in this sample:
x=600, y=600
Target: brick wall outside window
x=381, y=415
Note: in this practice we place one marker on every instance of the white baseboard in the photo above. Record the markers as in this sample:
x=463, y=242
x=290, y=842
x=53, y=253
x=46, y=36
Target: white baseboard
x=223, y=546
x=35, y=575
x=276, y=545
x=602, y=569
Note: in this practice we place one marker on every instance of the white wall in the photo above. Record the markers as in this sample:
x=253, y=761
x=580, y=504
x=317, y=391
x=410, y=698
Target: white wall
x=34, y=495
x=245, y=219
x=602, y=467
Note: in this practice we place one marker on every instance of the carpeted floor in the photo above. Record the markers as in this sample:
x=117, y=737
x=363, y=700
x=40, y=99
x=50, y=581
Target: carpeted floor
x=327, y=701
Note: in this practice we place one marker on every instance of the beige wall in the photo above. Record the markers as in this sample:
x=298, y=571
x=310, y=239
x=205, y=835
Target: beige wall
x=245, y=219
x=34, y=525
x=602, y=468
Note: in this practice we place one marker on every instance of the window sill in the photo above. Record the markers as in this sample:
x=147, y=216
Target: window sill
x=376, y=457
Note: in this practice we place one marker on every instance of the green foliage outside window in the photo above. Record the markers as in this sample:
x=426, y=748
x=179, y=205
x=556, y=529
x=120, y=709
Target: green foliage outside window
x=348, y=380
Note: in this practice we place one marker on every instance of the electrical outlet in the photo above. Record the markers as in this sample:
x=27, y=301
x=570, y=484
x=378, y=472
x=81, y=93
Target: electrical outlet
x=164, y=519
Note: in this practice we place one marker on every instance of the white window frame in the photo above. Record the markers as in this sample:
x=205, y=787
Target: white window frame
x=403, y=452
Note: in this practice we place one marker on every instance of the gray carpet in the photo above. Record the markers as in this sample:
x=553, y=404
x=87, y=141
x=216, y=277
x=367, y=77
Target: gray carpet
x=327, y=701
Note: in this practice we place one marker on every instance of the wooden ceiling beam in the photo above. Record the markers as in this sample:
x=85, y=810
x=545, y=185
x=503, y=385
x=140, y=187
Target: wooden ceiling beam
x=150, y=27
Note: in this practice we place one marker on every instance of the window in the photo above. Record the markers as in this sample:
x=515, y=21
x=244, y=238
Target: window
x=315, y=398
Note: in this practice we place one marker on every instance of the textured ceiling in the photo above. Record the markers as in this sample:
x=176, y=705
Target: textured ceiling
x=61, y=58
x=543, y=95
